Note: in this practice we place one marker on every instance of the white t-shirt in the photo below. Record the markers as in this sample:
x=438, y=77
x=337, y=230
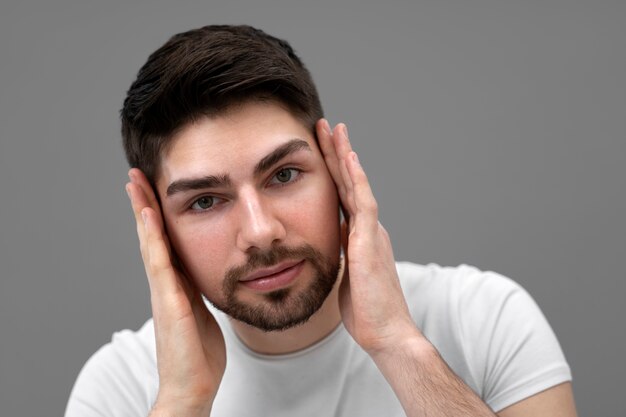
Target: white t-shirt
x=485, y=326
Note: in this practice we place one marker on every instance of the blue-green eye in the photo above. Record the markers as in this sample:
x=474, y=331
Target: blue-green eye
x=286, y=175
x=203, y=203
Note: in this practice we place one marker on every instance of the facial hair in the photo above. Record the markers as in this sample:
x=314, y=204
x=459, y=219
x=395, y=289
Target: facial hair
x=286, y=307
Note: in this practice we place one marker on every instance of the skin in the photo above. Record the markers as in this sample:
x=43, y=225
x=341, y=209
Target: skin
x=187, y=253
x=255, y=212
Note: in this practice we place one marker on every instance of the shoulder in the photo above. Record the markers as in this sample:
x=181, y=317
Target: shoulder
x=462, y=276
x=447, y=287
x=454, y=305
x=136, y=348
x=465, y=303
x=120, y=378
x=488, y=328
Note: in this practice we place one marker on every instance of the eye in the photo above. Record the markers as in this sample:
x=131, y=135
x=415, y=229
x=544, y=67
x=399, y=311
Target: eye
x=203, y=203
x=285, y=176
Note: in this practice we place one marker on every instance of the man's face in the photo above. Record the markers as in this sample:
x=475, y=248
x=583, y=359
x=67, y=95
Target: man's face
x=252, y=212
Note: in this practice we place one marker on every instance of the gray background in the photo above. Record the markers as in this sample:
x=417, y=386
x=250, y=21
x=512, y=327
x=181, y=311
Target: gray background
x=493, y=133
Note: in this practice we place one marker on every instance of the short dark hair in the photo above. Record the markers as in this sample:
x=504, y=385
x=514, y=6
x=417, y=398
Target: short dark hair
x=202, y=72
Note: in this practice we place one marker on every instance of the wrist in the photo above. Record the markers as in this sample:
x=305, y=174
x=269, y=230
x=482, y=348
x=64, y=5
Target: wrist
x=170, y=407
x=410, y=344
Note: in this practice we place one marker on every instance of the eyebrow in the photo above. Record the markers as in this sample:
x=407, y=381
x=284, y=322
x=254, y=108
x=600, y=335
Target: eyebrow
x=279, y=153
x=211, y=181
x=223, y=180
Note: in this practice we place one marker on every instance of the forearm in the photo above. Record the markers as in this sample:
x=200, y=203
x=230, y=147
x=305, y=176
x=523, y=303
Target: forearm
x=424, y=383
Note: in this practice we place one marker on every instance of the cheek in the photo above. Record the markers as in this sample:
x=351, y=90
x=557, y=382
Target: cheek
x=199, y=247
x=315, y=217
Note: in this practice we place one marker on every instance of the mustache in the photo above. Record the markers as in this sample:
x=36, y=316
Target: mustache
x=269, y=258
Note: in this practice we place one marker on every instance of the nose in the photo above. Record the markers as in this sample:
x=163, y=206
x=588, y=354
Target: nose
x=259, y=227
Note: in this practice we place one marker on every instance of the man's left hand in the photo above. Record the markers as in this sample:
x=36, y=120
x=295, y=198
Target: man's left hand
x=372, y=304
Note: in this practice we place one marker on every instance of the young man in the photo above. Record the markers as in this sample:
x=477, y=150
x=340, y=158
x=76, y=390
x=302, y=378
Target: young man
x=237, y=186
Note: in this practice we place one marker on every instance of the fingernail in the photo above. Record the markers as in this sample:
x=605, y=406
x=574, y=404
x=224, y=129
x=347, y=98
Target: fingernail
x=345, y=130
x=355, y=158
x=144, y=217
x=127, y=188
x=326, y=127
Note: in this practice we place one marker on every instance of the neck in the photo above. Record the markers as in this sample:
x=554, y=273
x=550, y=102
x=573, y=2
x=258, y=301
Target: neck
x=320, y=325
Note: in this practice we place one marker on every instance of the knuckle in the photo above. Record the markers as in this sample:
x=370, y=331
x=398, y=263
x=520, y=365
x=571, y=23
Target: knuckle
x=160, y=263
x=373, y=205
x=157, y=268
x=370, y=206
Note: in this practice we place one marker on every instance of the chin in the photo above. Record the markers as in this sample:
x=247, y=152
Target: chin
x=284, y=308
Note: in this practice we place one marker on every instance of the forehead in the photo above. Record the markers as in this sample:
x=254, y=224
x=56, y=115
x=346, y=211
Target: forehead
x=232, y=142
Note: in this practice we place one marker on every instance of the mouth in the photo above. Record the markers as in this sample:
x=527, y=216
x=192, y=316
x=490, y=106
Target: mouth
x=273, y=278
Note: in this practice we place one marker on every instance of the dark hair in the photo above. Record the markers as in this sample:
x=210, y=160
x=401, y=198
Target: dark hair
x=203, y=72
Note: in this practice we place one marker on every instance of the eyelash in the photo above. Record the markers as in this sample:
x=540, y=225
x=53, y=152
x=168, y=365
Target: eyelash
x=279, y=184
x=291, y=181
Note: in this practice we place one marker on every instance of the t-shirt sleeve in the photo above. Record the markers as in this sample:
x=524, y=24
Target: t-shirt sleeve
x=513, y=352
x=119, y=380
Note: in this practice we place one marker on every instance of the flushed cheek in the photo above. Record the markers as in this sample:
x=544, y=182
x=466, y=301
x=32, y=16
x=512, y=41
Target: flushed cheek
x=203, y=252
x=316, y=219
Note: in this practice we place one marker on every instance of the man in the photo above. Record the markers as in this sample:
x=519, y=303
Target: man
x=237, y=183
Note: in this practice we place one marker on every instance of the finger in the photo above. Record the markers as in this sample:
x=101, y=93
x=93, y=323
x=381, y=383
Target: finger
x=325, y=140
x=138, y=177
x=138, y=200
x=327, y=145
x=343, y=147
x=340, y=147
x=366, y=207
x=138, y=203
x=348, y=200
x=161, y=274
x=341, y=141
x=141, y=196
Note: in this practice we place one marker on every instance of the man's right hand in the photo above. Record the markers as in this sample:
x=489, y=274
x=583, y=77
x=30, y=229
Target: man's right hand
x=191, y=354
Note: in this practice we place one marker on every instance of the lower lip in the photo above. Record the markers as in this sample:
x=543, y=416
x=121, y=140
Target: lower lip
x=275, y=281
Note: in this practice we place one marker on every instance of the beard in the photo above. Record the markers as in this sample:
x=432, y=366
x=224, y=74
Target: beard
x=286, y=307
